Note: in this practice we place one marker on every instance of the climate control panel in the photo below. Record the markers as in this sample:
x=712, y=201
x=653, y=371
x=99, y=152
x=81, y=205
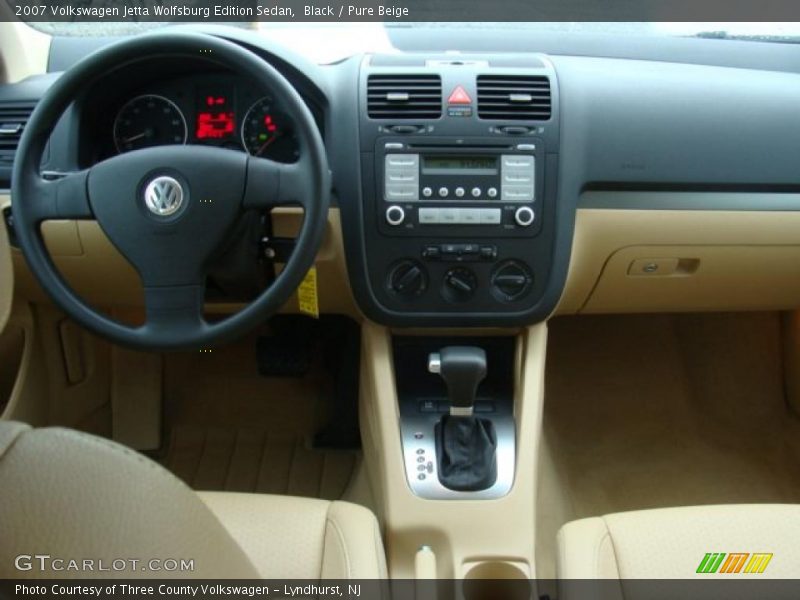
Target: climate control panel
x=453, y=223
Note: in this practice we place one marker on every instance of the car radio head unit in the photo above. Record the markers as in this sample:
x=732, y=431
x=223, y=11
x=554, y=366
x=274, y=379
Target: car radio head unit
x=454, y=182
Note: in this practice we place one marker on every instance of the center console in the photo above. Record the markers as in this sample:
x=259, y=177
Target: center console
x=458, y=168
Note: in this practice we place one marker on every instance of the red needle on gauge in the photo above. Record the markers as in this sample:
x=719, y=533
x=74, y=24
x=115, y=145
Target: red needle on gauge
x=266, y=144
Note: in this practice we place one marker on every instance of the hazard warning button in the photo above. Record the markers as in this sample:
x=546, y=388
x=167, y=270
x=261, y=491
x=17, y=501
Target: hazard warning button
x=459, y=96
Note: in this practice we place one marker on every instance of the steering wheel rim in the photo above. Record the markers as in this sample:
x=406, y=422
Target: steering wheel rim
x=264, y=185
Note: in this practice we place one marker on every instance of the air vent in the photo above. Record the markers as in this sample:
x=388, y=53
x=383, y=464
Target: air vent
x=13, y=118
x=404, y=96
x=514, y=97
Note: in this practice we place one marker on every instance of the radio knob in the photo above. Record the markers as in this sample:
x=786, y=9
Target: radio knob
x=524, y=216
x=395, y=215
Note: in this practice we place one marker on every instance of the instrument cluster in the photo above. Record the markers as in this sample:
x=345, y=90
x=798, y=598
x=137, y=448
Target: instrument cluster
x=215, y=110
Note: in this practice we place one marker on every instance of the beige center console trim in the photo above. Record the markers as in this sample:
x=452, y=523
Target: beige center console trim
x=459, y=533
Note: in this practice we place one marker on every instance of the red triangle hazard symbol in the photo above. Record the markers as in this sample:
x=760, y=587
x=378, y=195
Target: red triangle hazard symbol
x=459, y=96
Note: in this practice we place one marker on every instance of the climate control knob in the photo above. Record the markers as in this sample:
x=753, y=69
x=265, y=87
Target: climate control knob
x=395, y=215
x=407, y=279
x=524, y=216
x=511, y=280
x=459, y=284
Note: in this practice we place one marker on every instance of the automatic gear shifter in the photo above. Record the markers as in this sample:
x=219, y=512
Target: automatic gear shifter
x=465, y=444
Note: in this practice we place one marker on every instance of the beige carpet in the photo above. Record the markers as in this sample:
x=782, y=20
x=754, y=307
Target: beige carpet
x=232, y=429
x=650, y=411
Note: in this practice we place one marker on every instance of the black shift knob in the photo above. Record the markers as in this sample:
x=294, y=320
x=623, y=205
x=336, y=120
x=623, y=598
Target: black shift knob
x=462, y=368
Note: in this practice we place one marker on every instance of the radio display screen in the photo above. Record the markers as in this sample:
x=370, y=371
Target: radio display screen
x=459, y=165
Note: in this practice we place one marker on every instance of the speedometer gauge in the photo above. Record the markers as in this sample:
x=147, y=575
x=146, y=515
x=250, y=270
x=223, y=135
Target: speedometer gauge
x=268, y=133
x=147, y=121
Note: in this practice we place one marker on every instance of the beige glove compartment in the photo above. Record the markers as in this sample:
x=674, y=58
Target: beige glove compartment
x=683, y=260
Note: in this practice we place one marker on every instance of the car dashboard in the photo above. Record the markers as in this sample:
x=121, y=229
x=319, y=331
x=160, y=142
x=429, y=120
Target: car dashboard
x=497, y=188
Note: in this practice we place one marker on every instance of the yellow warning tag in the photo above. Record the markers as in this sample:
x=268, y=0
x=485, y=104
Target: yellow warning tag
x=307, y=299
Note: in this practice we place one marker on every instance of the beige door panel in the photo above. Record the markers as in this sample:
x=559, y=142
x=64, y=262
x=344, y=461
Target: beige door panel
x=6, y=273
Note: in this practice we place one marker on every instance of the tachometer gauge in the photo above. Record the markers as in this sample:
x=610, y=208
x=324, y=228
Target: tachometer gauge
x=268, y=133
x=147, y=121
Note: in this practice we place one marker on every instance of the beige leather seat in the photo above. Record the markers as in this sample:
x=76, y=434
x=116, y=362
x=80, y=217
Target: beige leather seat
x=73, y=496
x=672, y=543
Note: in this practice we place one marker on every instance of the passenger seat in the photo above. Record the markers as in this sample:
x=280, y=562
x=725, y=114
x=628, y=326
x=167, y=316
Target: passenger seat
x=757, y=541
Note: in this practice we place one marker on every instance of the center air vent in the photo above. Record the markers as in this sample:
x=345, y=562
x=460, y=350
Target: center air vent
x=13, y=118
x=514, y=97
x=404, y=96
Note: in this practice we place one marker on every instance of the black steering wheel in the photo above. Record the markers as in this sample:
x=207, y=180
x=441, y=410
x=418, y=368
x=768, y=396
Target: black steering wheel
x=168, y=208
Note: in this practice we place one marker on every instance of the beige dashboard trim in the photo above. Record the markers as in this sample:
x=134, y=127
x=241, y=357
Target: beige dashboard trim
x=98, y=272
x=744, y=260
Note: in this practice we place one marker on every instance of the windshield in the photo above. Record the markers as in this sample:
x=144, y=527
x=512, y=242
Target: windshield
x=331, y=41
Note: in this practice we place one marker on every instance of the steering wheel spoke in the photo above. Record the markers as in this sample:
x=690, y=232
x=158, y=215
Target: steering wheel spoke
x=271, y=184
x=174, y=307
x=64, y=197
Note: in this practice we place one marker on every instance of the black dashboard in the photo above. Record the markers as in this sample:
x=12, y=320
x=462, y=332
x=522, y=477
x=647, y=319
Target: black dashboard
x=458, y=176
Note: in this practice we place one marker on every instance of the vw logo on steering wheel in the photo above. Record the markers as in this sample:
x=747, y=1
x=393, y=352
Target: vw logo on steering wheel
x=163, y=196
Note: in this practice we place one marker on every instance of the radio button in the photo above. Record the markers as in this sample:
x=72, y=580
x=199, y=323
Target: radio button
x=401, y=176
x=476, y=192
x=517, y=161
x=526, y=147
x=449, y=215
x=515, y=178
x=404, y=161
x=524, y=216
x=490, y=216
x=518, y=193
x=395, y=215
x=401, y=192
x=492, y=192
x=460, y=192
x=444, y=192
x=429, y=216
x=470, y=216
x=427, y=192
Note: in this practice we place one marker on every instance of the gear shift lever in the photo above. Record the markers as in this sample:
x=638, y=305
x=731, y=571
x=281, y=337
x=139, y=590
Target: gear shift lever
x=462, y=368
x=465, y=444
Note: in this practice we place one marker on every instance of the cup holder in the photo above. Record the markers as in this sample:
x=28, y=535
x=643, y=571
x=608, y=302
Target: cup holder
x=496, y=579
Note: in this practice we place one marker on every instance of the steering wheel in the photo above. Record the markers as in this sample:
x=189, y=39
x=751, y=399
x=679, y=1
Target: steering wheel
x=168, y=208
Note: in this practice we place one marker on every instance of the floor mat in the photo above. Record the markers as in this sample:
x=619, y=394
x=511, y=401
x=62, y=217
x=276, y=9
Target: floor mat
x=651, y=411
x=232, y=429
x=252, y=460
